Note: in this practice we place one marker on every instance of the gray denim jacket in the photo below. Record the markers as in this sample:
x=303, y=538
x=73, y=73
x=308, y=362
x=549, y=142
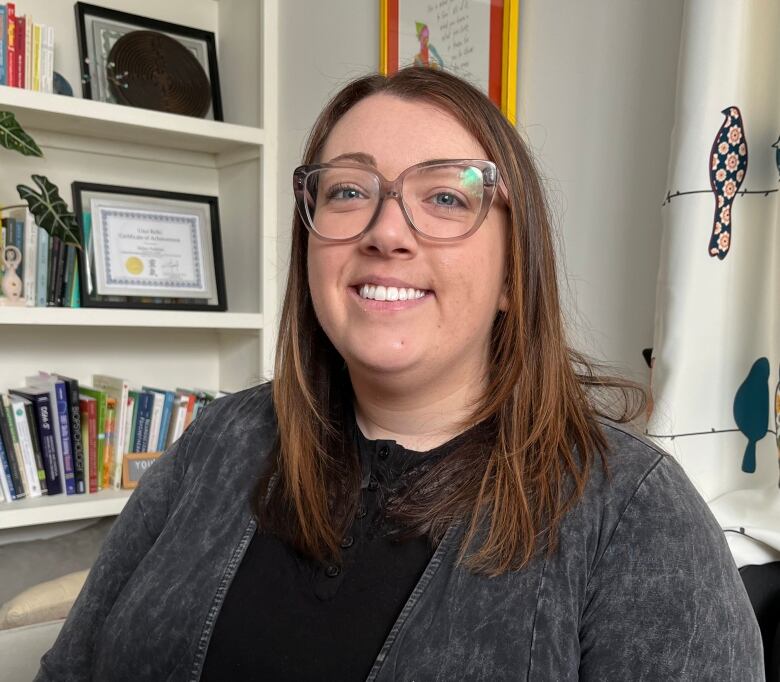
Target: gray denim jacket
x=642, y=588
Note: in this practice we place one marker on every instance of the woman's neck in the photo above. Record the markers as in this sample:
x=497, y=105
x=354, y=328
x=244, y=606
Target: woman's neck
x=417, y=420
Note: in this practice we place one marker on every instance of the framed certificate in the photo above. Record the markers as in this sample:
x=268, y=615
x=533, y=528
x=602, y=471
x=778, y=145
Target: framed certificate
x=149, y=249
x=474, y=39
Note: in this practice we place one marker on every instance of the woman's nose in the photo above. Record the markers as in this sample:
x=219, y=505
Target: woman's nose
x=390, y=233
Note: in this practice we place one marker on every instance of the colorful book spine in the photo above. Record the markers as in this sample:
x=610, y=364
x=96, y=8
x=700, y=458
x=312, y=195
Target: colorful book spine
x=85, y=439
x=70, y=272
x=36, y=57
x=135, y=397
x=63, y=418
x=145, y=404
x=10, y=45
x=8, y=478
x=88, y=405
x=3, y=41
x=74, y=418
x=42, y=268
x=41, y=403
x=21, y=30
x=100, y=407
x=11, y=447
x=24, y=439
x=108, y=457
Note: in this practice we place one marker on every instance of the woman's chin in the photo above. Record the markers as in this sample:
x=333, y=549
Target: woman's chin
x=386, y=360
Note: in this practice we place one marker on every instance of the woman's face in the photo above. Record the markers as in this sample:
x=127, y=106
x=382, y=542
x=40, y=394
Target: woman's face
x=444, y=335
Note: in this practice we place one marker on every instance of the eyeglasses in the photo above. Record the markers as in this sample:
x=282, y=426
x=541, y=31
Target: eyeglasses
x=442, y=200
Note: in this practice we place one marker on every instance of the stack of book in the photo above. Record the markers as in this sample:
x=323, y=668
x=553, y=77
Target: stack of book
x=26, y=51
x=49, y=269
x=58, y=436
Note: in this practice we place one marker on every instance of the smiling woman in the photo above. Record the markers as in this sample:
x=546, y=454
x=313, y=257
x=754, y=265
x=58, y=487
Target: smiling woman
x=435, y=486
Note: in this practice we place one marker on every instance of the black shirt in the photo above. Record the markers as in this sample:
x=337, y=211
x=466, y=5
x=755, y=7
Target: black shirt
x=287, y=618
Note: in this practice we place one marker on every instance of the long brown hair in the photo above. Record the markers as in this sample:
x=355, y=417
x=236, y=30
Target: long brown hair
x=536, y=420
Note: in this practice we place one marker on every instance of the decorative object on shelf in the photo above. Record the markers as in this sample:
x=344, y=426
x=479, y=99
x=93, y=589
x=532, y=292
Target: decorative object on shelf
x=137, y=72
x=158, y=72
x=61, y=85
x=50, y=210
x=474, y=39
x=149, y=249
x=134, y=464
x=12, y=283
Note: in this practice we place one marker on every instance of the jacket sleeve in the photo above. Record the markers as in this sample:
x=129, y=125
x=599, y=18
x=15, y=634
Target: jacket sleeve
x=126, y=544
x=665, y=600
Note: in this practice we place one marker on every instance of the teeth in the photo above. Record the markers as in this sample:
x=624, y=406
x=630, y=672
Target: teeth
x=381, y=293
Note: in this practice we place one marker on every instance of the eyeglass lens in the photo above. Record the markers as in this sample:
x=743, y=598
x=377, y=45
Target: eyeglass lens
x=442, y=201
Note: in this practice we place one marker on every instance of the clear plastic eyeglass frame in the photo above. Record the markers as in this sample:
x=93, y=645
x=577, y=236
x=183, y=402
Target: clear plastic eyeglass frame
x=393, y=189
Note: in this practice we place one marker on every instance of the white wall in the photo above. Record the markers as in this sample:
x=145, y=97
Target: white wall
x=595, y=102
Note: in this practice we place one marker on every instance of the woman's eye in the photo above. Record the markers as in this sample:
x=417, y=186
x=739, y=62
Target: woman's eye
x=342, y=193
x=447, y=200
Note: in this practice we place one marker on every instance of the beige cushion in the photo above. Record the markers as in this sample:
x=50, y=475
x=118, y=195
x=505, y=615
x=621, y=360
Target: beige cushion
x=43, y=602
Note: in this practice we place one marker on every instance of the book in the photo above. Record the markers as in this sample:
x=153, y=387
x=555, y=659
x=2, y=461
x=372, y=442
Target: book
x=42, y=268
x=88, y=408
x=143, y=419
x=133, y=395
x=108, y=457
x=59, y=277
x=42, y=404
x=21, y=29
x=117, y=389
x=100, y=430
x=28, y=38
x=3, y=40
x=130, y=412
x=25, y=446
x=56, y=244
x=158, y=402
x=10, y=44
x=36, y=57
x=74, y=420
x=5, y=473
x=73, y=291
x=158, y=439
x=47, y=59
x=7, y=433
x=60, y=422
x=36, y=444
x=30, y=257
x=178, y=418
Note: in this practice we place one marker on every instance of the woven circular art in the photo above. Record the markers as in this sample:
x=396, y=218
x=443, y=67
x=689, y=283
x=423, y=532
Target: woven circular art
x=151, y=70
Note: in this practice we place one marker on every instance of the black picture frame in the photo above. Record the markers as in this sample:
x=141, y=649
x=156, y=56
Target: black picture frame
x=87, y=282
x=90, y=63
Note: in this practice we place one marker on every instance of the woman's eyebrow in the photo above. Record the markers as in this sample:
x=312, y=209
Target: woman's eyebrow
x=360, y=157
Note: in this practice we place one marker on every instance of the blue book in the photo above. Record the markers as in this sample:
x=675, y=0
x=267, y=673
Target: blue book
x=39, y=397
x=67, y=445
x=144, y=419
x=43, y=268
x=165, y=417
x=6, y=469
x=3, y=34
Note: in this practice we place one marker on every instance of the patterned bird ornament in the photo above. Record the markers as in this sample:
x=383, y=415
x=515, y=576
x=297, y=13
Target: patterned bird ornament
x=728, y=165
x=776, y=145
x=751, y=410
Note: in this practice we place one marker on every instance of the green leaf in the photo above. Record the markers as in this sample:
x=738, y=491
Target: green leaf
x=50, y=210
x=13, y=136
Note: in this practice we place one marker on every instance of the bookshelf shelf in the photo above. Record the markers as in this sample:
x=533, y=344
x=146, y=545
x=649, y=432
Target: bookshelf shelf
x=99, y=317
x=58, y=508
x=74, y=116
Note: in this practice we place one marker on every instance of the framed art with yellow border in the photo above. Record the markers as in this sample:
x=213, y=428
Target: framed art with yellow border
x=474, y=39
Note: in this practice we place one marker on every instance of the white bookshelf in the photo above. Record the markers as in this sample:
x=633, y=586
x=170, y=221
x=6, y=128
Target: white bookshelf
x=234, y=160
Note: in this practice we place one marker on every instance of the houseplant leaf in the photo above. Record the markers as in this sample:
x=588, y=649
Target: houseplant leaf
x=13, y=136
x=50, y=210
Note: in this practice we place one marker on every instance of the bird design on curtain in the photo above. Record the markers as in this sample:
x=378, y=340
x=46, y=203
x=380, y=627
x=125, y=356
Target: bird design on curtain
x=728, y=165
x=751, y=410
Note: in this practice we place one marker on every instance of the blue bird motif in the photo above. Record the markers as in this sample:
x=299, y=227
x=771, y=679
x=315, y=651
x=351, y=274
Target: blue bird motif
x=728, y=165
x=776, y=145
x=751, y=410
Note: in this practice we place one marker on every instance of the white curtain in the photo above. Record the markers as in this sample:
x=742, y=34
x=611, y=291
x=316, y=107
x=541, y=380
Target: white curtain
x=716, y=351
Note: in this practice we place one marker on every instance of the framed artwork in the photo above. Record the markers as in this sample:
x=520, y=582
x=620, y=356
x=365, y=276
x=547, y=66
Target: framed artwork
x=129, y=59
x=474, y=39
x=146, y=248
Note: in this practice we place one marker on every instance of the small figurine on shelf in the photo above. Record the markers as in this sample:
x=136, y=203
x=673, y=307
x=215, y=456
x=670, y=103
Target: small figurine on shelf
x=12, y=285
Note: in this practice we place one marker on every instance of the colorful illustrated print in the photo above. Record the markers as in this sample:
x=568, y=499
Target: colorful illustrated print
x=728, y=165
x=751, y=410
x=428, y=54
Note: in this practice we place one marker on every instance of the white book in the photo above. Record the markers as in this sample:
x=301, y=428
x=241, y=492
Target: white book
x=28, y=50
x=156, y=421
x=117, y=389
x=31, y=479
x=129, y=423
x=178, y=419
x=30, y=258
x=50, y=59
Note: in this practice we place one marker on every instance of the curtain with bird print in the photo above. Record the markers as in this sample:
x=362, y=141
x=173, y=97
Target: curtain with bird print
x=716, y=352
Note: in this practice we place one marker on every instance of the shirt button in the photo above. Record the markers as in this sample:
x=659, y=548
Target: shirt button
x=347, y=542
x=361, y=512
x=373, y=484
x=384, y=452
x=332, y=571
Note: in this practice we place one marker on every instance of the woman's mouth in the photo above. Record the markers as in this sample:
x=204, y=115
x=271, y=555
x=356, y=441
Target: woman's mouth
x=378, y=292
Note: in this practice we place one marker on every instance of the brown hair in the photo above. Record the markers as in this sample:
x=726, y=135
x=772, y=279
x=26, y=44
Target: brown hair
x=539, y=435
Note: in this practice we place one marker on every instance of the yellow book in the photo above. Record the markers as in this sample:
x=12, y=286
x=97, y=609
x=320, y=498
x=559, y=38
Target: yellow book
x=36, y=57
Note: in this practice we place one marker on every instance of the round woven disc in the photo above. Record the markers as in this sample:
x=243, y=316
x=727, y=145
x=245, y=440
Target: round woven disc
x=151, y=70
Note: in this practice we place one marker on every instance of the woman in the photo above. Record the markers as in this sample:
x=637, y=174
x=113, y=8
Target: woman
x=429, y=490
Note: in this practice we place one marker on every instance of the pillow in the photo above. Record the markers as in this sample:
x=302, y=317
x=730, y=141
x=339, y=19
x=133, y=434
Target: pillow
x=47, y=601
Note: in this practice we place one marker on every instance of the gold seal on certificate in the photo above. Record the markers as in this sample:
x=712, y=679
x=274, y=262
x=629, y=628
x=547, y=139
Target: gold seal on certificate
x=149, y=248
